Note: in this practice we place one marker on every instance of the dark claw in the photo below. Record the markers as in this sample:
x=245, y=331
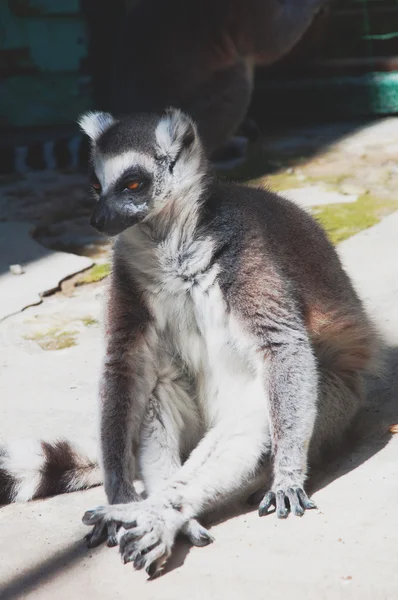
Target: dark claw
x=294, y=500
x=268, y=500
x=151, y=570
x=127, y=557
x=112, y=537
x=206, y=539
x=305, y=501
x=128, y=537
x=90, y=517
x=203, y=540
x=281, y=510
x=112, y=541
x=139, y=562
x=96, y=536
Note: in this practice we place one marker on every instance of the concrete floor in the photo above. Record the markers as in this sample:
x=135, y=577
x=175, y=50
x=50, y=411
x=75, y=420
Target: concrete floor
x=348, y=548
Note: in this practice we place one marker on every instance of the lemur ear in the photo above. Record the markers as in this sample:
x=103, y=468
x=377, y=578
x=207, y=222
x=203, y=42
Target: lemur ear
x=95, y=124
x=175, y=132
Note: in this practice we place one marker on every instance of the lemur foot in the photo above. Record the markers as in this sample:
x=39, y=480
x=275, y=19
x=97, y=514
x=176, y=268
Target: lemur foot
x=102, y=532
x=197, y=534
x=151, y=531
x=286, y=499
x=111, y=534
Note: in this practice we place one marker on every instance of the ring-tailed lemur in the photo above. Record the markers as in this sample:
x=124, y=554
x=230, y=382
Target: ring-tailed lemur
x=235, y=339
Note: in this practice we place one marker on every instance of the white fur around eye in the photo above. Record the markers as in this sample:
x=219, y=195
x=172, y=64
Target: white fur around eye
x=108, y=170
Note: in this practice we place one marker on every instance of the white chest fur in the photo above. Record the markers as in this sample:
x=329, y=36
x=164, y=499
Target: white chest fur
x=194, y=325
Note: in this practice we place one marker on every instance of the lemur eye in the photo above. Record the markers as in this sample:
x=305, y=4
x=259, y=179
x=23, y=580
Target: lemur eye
x=96, y=185
x=134, y=185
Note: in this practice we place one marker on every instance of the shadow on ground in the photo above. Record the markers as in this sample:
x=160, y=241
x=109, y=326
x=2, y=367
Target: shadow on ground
x=44, y=572
x=289, y=146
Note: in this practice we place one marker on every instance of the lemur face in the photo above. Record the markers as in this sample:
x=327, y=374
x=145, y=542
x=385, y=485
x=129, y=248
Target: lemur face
x=124, y=195
x=137, y=164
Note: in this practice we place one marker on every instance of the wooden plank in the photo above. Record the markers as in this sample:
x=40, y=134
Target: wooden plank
x=326, y=98
x=337, y=66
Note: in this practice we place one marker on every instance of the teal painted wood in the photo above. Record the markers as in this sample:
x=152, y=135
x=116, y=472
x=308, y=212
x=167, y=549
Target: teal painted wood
x=42, y=49
x=364, y=95
x=43, y=100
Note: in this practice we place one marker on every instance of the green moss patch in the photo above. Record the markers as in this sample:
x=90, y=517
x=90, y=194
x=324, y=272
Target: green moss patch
x=89, y=321
x=95, y=274
x=342, y=221
x=54, y=339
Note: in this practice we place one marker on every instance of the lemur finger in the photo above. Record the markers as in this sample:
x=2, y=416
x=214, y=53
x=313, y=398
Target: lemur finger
x=155, y=560
x=131, y=535
x=97, y=535
x=281, y=510
x=152, y=560
x=121, y=514
x=267, y=501
x=130, y=554
x=198, y=535
x=112, y=529
x=139, y=562
x=294, y=502
x=306, y=502
x=94, y=516
x=141, y=545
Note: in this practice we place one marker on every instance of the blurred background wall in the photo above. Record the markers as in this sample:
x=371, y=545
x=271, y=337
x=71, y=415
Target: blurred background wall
x=56, y=60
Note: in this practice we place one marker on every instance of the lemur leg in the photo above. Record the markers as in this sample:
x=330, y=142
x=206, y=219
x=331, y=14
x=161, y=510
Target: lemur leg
x=293, y=387
x=221, y=104
x=341, y=395
x=223, y=461
x=171, y=428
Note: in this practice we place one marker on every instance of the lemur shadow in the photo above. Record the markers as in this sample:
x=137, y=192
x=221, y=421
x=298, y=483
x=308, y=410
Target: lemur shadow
x=369, y=434
x=29, y=580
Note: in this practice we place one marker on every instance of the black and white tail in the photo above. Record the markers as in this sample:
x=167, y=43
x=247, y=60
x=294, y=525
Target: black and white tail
x=36, y=469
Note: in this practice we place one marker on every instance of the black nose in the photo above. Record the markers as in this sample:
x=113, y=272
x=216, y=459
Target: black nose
x=107, y=218
x=98, y=222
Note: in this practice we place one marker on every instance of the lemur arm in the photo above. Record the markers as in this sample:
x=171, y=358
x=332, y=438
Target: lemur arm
x=292, y=380
x=127, y=380
x=271, y=309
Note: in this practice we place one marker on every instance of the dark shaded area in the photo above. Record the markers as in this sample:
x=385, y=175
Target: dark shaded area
x=45, y=572
x=104, y=21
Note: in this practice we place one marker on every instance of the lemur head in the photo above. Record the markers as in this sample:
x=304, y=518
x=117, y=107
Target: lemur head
x=139, y=163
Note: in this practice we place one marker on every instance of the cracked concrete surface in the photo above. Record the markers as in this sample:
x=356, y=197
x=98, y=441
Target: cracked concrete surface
x=41, y=271
x=346, y=549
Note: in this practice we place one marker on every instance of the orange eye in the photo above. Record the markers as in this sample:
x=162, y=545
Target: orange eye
x=96, y=186
x=133, y=185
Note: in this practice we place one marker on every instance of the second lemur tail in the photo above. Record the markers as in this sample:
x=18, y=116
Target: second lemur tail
x=36, y=469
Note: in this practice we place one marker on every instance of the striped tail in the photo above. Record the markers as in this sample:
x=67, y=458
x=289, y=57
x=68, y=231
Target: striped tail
x=36, y=469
